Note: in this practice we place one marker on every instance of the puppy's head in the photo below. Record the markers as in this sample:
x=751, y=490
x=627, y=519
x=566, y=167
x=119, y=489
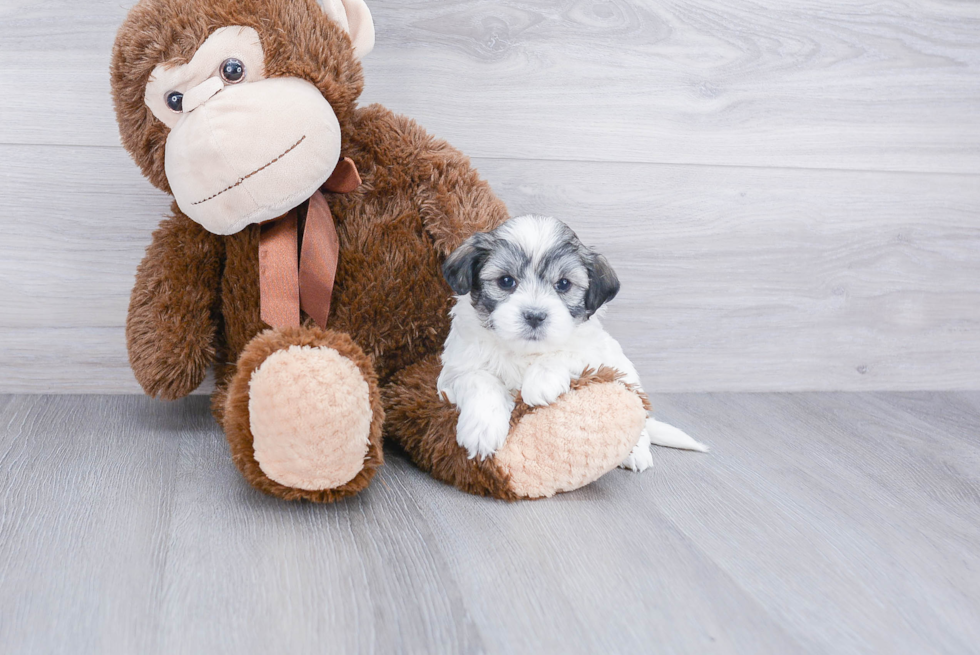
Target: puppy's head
x=531, y=280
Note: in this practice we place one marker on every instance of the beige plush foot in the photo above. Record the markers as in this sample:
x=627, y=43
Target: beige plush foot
x=582, y=436
x=310, y=416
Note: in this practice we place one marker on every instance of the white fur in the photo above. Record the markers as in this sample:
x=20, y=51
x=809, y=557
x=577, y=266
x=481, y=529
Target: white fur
x=484, y=368
x=535, y=235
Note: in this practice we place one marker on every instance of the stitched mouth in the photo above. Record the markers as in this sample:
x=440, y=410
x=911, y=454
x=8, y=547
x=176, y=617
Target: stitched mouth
x=255, y=172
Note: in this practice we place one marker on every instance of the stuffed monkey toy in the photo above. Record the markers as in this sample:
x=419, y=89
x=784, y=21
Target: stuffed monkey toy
x=302, y=260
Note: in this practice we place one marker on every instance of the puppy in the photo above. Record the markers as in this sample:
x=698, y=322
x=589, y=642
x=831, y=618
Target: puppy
x=526, y=318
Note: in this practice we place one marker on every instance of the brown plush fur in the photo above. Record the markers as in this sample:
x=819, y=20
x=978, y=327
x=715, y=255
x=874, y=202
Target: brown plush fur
x=297, y=37
x=236, y=418
x=196, y=297
x=418, y=201
x=172, y=323
x=426, y=427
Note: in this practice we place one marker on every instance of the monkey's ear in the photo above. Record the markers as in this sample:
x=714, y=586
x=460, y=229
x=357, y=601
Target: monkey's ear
x=355, y=17
x=463, y=264
x=603, y=283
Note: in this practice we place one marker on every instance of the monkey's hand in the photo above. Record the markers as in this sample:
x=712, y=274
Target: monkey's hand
x=170, y=330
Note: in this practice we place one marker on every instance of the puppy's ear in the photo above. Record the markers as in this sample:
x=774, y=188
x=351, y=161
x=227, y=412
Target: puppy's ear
x=463, y=264
x=603, y=283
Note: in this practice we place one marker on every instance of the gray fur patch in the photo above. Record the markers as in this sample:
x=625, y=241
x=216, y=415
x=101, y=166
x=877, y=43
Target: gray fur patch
x=541, y=254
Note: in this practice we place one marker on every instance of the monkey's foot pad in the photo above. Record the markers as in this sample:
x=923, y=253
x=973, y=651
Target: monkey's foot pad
x=310, y=413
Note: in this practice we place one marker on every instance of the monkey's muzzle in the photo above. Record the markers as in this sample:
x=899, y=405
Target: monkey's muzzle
x=246, y=154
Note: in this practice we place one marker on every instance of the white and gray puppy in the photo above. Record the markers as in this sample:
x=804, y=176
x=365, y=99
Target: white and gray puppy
x=529, y=296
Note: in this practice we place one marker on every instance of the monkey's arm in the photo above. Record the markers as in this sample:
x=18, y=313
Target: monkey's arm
x=170, y=328
x=457, y=201
x=453, y=201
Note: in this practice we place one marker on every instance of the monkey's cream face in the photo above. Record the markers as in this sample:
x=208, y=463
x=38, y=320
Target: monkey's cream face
x=242, y=148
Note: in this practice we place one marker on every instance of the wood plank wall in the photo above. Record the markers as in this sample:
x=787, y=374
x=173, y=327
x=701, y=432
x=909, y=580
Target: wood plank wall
x=789, y=190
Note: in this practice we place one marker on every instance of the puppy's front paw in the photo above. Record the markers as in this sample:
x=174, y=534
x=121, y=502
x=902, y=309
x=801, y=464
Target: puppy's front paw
x=542, y=385
x=482, y=428
x=640, y=458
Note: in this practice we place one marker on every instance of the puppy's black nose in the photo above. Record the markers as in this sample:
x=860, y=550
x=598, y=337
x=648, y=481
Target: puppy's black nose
x=534, y=318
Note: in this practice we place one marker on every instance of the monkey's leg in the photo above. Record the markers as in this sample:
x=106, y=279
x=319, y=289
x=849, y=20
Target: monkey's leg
x=584, y=434
x=303, y=415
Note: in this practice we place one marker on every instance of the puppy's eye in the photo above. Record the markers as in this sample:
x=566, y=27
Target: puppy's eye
x=232, y=71
x=506, y=282
x=175, y=100
x=563, y=285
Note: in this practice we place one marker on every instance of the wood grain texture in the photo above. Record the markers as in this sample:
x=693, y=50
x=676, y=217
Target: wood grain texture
x=733, y=278
x=838, y=501
x=819, y=523
x=776, y=279
x=830, y=84
x=76, y=224
x=815, y=84
x=715, y=151
x=86, y=501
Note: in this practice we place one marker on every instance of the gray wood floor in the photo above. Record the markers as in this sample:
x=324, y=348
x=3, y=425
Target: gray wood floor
x=820, y=523
x=789, y=190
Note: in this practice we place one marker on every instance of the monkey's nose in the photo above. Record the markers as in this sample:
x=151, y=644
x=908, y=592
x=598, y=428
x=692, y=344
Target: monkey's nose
x=201, y=93
x=534, y=318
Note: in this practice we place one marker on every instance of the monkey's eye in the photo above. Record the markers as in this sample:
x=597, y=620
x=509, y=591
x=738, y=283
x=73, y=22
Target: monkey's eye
x=232, y=71
x=175, y=100
x=506, y=282
x=563, y=285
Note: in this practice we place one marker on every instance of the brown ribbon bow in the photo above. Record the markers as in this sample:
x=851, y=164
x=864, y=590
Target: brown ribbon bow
x=291, y=278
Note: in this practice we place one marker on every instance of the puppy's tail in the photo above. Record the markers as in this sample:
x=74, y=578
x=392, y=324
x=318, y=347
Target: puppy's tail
x=662, y=434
